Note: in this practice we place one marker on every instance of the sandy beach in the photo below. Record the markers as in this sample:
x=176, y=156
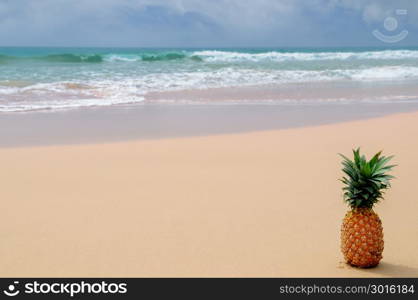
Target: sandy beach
x=264, y=203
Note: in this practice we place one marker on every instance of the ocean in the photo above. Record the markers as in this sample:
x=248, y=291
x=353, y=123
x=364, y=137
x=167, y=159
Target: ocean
x=34, y=79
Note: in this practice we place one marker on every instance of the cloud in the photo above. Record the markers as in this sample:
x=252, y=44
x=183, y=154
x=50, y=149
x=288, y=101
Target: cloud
x=177, y=23
x=374, y=13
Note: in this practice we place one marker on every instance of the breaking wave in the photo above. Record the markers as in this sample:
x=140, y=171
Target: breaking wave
x=229, y=56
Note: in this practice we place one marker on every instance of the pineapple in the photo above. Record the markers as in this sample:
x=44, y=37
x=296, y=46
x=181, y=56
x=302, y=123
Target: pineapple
x=361, y=231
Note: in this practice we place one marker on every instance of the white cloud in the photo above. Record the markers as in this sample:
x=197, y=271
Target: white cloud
x=374, y=13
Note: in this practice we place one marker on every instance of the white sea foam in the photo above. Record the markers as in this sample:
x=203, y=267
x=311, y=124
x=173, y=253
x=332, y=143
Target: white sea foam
x=385, y=73
x=370, y=99
x=228, y=56
x=68, y=104
x=241, y=77
x=121, y=58
x=66, y=95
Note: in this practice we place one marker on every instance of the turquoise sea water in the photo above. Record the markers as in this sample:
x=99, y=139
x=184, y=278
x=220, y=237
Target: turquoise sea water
x=57, y=78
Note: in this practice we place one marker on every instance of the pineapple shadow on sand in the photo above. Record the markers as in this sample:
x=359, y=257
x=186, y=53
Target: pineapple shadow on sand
x=390, y=270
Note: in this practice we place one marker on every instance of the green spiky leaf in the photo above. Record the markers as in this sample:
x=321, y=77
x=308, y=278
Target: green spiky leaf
x=365, y=181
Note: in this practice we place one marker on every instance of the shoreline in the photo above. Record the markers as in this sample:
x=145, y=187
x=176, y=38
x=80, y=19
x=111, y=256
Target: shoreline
x=261, y=204
x=314, y=92
x=153, y=121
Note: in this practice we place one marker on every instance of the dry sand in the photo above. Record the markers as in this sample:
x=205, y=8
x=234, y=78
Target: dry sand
x=253, y=204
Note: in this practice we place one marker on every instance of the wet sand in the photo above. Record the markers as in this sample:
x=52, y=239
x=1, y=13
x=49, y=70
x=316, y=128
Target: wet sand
x=153, y=121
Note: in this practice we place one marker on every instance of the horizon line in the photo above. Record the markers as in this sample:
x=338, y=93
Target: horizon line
x=211, y=47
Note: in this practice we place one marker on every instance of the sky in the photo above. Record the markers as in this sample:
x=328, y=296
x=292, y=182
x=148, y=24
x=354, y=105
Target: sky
x=204, y=23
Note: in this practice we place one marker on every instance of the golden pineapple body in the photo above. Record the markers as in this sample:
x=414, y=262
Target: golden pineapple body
x=362, y=238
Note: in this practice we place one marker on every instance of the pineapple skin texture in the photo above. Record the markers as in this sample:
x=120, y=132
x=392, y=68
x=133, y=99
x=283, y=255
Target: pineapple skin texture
x=362, y=238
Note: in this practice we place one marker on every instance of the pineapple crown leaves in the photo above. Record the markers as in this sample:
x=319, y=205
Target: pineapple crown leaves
x=365, y=181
